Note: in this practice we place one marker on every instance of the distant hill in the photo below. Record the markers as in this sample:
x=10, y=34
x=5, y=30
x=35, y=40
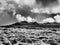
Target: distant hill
x=22, y=24
x=25, y=24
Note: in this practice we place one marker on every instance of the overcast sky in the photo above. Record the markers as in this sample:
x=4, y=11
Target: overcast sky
x=44, y=8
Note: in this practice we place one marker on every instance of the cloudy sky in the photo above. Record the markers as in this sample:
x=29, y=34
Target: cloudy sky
x=29, y=10
x=40, y=9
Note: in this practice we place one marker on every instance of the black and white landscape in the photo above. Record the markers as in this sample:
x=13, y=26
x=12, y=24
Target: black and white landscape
x=29, y=22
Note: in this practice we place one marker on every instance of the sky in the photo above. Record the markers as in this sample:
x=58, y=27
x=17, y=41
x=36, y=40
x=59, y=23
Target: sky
x=41, y=9
x=30, y=11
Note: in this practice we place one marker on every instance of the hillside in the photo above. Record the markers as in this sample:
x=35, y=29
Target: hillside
x=33, y=25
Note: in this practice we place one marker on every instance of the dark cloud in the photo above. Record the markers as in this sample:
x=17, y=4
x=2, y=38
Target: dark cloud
x=52, y=15
x=46, y=2
x=25, y=12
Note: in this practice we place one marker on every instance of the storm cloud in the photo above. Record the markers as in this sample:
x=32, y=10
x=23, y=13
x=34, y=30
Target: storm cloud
x=47, y=2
